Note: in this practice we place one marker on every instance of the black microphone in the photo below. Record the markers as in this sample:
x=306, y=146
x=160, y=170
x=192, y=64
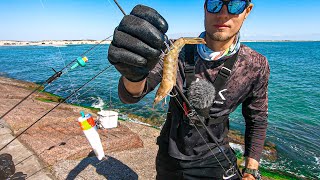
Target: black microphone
x=201, y=95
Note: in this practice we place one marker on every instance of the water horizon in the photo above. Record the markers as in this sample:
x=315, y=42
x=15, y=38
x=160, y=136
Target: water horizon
x=294, y=93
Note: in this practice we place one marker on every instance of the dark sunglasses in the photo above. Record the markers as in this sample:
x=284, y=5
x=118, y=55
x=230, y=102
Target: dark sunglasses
x=235, y=7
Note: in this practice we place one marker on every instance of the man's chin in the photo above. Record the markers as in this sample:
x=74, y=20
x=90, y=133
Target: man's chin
x=219, y=36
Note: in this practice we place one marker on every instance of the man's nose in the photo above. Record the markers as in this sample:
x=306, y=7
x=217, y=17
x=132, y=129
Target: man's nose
x=224, y=11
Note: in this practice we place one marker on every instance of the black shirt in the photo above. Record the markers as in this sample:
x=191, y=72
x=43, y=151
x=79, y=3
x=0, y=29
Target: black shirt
x=247, y=84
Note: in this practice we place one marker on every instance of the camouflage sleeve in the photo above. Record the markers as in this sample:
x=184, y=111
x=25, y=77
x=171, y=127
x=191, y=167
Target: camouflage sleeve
x=153, y=80
x=255, y=112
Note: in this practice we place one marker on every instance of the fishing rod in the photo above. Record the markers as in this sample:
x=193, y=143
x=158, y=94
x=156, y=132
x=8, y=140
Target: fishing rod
x=50, y=80
x=54, y=77
x=232, y=169
x=56, y=106
x=123, y=12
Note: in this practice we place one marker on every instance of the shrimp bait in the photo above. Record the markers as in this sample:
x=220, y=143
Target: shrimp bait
x=170, y=67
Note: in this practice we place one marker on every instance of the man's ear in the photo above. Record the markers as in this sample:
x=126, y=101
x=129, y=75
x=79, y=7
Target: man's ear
x=248, y=10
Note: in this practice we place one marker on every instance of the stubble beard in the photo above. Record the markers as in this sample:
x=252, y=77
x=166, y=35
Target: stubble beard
x=220, y=37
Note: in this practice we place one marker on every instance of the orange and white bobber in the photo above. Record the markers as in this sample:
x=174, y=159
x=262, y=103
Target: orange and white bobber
x=89, y=128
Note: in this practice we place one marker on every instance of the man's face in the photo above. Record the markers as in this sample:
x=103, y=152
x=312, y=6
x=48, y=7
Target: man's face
x=223, y=26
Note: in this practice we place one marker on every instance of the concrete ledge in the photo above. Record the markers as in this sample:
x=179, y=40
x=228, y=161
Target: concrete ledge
x=25, y=161
x=62, y=141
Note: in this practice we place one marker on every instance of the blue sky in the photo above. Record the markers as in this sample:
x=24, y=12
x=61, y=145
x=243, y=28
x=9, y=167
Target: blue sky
x=96, y=19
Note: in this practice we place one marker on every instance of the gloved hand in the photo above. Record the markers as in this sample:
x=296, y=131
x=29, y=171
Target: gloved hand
x=137, y=43
x=7, y=167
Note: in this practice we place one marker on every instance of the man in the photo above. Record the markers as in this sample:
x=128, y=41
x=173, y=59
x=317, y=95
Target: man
x=186, y=151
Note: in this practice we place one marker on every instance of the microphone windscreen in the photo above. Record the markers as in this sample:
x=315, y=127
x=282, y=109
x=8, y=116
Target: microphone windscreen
x=201, y=94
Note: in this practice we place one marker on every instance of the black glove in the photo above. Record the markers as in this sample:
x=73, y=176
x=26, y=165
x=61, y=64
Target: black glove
x=7, y=167
x=137, y=43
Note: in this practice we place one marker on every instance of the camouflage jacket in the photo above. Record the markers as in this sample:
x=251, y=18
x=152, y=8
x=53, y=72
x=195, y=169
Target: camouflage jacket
x=247, y=85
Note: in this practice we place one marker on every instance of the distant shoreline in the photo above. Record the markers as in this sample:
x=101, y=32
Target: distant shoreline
x=280, y=41
x=80, y=42
x=51, y=42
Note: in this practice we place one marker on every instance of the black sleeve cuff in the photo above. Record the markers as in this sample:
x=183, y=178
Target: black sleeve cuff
x=128, y=98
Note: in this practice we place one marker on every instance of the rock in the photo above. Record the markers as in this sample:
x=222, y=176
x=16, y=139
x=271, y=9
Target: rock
x=269, y=152
x=57, y=136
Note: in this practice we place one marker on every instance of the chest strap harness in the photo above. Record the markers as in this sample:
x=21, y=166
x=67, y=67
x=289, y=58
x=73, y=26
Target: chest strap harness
x=194, y=118
x=188, y=56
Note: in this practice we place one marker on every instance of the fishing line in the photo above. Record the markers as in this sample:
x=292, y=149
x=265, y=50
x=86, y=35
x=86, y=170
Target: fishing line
x=93, y=51
x=199, y=133
x=179, y=92
x=59, y=73
x=42, y=4
x=53, y=77
x=56, y=106
x=175, y=97
x=203, y=124
x=112, y=5
x=80, y=95
x=68, y=75
x=49, y=81
x=208, y=131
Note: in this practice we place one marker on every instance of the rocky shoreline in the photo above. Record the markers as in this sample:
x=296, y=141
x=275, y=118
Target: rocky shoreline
x=90, y=41
x=67, y=160
x=51, y=42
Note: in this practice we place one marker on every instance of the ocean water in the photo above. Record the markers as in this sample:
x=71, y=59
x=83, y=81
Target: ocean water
x=294, y=93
